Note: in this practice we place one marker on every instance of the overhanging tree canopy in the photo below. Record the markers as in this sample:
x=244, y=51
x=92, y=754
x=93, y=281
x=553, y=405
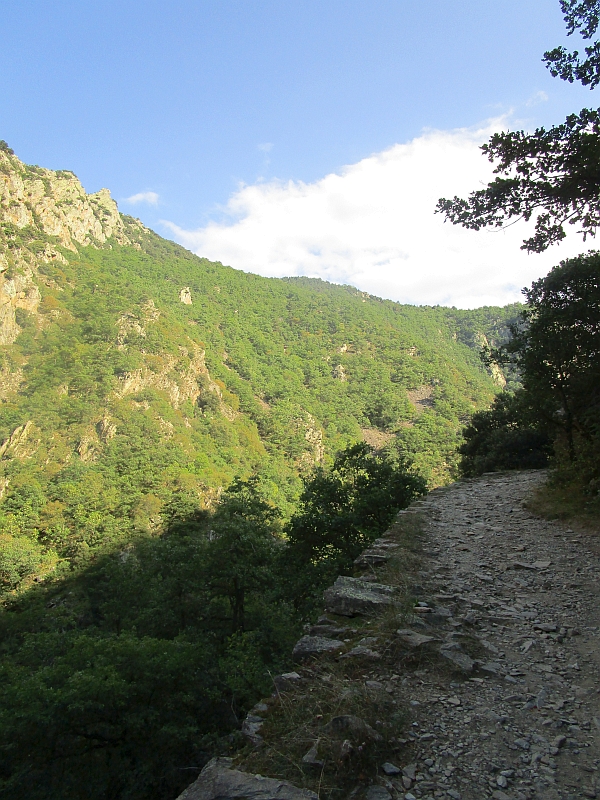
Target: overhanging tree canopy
x=556, y=349
x=552, y=175
x=584, y=16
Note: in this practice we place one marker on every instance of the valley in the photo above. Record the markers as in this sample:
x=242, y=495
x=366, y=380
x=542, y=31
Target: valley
x=176, y=437
x=135, y=374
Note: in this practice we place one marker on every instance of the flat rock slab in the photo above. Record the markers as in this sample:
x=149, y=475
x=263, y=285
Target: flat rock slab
x=218, y=781
x=414, y=639
x=458, y=659
x=351, y=727
x=350, y=597
x=315, y=645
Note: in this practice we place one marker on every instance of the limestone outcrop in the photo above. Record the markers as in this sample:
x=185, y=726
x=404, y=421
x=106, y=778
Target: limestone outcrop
x=218, y=781
x=43, y=213
x=55, y=203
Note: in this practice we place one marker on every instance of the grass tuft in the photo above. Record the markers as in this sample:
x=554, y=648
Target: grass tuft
x=298, y=720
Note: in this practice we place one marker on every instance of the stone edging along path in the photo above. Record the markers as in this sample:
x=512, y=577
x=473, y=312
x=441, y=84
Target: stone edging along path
x=487, y=688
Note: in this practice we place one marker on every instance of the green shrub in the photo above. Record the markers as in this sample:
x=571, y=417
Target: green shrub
x=504, y=437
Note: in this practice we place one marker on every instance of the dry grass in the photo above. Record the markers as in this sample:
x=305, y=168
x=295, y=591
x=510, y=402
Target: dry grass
x=299, y=720
x=331, y=687
x=568, y=504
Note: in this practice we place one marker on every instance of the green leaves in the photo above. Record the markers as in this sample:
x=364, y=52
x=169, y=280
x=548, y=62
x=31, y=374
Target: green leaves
x=581, y=15
x=555, y=347
x=344, y=508
x=507, y=436
x=106, y=716
x=146, y=603
x=552, y=175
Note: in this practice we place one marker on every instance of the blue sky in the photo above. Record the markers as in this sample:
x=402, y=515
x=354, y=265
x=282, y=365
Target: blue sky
x=187, y=103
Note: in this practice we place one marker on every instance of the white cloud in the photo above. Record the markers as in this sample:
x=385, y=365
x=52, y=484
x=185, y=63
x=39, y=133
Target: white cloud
x=266, y=147
x=142, y=197
x=373, y=226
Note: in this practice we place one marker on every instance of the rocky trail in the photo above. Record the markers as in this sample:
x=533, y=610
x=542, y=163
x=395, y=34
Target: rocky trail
x=498, y=663
x=526, y=724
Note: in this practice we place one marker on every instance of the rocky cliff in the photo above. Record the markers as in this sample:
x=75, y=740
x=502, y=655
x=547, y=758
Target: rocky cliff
x=42, y=213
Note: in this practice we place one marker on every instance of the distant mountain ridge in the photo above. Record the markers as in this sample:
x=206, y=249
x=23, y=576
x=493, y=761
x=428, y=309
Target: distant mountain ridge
x=135, y=376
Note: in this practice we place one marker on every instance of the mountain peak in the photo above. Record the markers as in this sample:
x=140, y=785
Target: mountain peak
x=40, y=203
x=43, y=213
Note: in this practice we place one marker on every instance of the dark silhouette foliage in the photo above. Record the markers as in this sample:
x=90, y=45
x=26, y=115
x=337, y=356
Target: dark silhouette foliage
x=342, y=510
x=555, y=348
x=123, y=680
x=551, y=175
x=582, y=16
x=504, y=437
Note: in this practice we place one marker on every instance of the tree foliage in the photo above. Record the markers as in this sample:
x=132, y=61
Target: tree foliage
x=121, y=681
x=151, y=455
x=551, y=175
x=103, y=462
x=506, y=436
x=242, y=548
x=341, y=510
x=555, y=347
x=582, y=16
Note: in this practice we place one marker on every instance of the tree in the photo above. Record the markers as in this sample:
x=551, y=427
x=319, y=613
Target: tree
x=344, y=508
x=341, y=510
x=242, y=547
x=582, y=15
x=506, y=436
x=552, y=175
x=556, y=348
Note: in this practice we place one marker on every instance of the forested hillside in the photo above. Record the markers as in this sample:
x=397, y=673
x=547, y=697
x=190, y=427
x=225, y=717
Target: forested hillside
x=135, y=374
x=168, y=475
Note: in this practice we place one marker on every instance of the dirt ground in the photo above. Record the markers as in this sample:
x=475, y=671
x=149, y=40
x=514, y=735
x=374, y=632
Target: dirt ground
x=519, y=595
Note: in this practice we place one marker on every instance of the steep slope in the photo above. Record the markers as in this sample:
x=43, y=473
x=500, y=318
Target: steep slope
x=137, y=377
x=498, y=671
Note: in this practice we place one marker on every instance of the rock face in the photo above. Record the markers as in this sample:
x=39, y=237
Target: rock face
x=218, y=781
x=315, y=645
x=57, y=204
x=42, y=211
x=350, y=597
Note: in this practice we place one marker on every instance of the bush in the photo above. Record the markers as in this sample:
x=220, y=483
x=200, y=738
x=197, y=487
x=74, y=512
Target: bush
x=342, y=510
x=504, y=437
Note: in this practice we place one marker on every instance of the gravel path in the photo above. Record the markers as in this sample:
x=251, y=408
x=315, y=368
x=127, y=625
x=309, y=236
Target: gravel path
x=526, y=722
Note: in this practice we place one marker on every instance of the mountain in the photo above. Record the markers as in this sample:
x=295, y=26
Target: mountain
x=147, y=595
x=135, y=375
